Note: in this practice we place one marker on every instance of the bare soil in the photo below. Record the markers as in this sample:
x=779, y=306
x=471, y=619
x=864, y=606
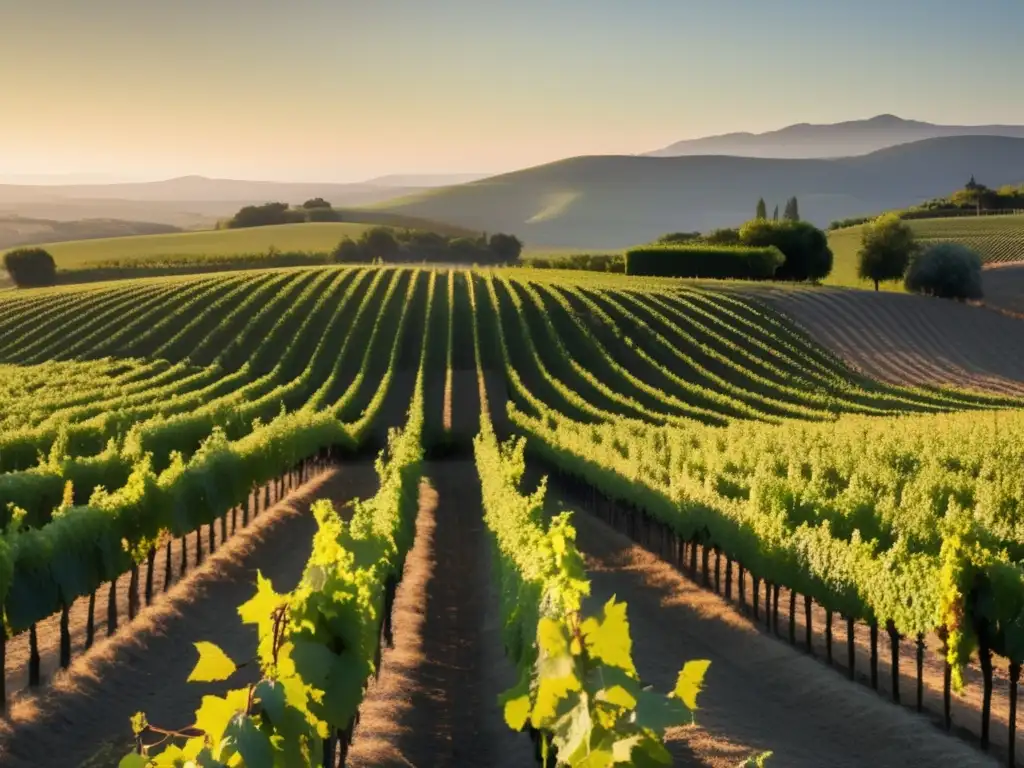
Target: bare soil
x=760, y=694
x=145, y=664
x=913, y=340
x=1003, y=287
x=435, y=701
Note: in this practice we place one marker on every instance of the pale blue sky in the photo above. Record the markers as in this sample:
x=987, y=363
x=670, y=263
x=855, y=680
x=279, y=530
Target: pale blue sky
x=343, y=90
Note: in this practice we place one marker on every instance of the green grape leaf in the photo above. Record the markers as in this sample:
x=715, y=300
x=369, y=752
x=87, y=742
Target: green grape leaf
x=616, y=695
x=659, y=712
x=622, y=750
x=690, y=682
x=556, y=680
x=517, y=712
x=134, y=760
x=572, y=732
x=215, y=713
x=271, y=696
x=259, y=610
x=214, y=665
x=253, y=744
x=551, y=637
x=608, y=638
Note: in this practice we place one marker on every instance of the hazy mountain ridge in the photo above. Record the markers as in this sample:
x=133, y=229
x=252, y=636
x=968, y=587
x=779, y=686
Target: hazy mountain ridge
x=17, y=230
x=616, y=201
x=829, y=140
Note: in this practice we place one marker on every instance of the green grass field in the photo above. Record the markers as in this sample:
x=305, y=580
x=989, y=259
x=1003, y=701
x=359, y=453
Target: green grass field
x=313, y=237
x=999, y=239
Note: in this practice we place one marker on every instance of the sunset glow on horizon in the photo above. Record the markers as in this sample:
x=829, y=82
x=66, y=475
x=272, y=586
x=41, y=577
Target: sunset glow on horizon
x=344, y=90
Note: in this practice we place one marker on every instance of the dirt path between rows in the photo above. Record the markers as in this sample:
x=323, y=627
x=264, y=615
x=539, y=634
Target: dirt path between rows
x=760, y=694
x=145, y=664
x=435, y=702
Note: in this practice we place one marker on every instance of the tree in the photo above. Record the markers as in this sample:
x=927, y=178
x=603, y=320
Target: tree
x=265, y=215
x=792, y=212
x=946, y=270
x=316, y=202
x=380, y=243
x=805, y=247
x=762, y=210
x=506, y=248
x=348, y=251
x=886, y=247
x=775, y=216
x=31, y=267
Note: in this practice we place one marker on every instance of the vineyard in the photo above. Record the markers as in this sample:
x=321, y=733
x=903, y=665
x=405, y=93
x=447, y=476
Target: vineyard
x=148, y=426
x=999, y=239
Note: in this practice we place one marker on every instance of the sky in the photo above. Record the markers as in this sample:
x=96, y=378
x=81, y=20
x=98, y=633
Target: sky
x=344, y=90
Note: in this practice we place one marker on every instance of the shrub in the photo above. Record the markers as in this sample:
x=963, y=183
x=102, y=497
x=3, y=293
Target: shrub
x=678, y=237
x=593, y=262
x=506, y=248
x=316, y=202
x=946, y=270
x=31, y=267
x=265, y=215
x=704, y=261
x=348, y=251
x=323, y=214
x=805, y=247
x=723, y=237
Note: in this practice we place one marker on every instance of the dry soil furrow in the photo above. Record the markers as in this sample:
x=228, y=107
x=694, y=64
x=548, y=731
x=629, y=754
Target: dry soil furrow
x=435, y=701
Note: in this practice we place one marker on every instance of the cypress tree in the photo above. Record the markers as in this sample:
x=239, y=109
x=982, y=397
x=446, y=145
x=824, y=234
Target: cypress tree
x=792, y=212
x=775, y=216
x=762, y=210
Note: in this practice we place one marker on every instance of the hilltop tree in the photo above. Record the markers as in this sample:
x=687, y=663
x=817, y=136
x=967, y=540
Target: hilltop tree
x=506, y=248
x=380, y=243
x=887, y=246
x=792, y=212
x=762, y=210
x=316, y=202
x=775, y=216
x=31, y=267
x=265, y=215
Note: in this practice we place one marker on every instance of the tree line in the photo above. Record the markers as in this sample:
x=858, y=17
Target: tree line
x=387, y=246
x=974, y=199
x=269, y=214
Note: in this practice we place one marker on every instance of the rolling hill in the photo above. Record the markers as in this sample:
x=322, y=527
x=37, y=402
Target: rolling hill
x=221, y=244
x=188, y=202
x=18, y=230
x=617, y=201
x=999, y=240
x=855, y=137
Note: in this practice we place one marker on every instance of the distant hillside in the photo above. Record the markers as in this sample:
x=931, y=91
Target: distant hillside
x=224, y=244
x=856, y=137
x=190, y=202
x=16, y=230
x=614, y=201
x=202, y=189
x=425, y=179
